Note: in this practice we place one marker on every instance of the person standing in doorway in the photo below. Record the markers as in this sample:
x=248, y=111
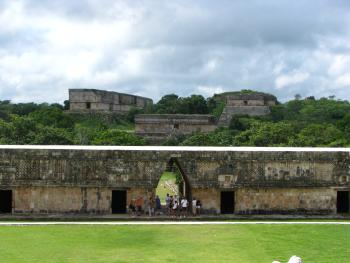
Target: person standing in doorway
x=175, y=208
x=158, y=204
x=184, y=205
x=194, y=206
x=152, y=205
x=139, y=203
x=167, y=203
x=199, y=207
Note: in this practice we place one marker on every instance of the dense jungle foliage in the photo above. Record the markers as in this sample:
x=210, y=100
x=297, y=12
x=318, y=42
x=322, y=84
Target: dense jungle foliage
x=305, y=122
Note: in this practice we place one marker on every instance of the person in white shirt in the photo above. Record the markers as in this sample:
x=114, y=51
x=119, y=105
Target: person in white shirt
x=184, y=205
x=194, y=206
x=174, y=208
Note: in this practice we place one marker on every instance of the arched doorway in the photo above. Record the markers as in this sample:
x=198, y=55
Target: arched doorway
x=174, y=181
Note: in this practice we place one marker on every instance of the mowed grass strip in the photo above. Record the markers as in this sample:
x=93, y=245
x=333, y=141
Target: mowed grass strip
x=175, y=243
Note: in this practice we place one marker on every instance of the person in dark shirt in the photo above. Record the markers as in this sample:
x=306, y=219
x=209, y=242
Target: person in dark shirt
x=158, y=204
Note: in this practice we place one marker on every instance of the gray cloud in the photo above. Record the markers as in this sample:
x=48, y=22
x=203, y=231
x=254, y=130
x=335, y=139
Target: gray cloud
x=153, y=48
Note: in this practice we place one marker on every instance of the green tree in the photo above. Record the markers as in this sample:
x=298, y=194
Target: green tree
x=53, y=136
x=6, y=132
x=240, y=122
x=320, y=135
x=117, y=137
x=173, y=104
x=66, y=105
x=266, y=134
x=196, y=104
x=24, y=130
x=167, y=104
x=199, y=139
x=23, y=109
x=52, y=116
x=221, y=137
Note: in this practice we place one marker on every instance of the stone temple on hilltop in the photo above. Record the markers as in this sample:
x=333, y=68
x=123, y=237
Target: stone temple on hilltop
x=158, y=127
x=256, y=104
x=92, y=100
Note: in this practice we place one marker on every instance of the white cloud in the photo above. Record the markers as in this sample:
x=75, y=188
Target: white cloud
x=208, y=91
x=278, y=68
x=343, y=80
x=155, y=48
x=291, y=79
x=211, y=66
x=339, y=65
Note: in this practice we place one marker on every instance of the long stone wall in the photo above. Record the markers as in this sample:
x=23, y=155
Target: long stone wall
x=91, y=100
x=158, y=127
x=58, y=199
x=80, y=179
x=279, y=200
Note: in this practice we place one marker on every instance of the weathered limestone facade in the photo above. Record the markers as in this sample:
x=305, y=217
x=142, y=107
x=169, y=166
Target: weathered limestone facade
x=157, y=127
x=91, y=100
x=72, y=179
x=249, y=104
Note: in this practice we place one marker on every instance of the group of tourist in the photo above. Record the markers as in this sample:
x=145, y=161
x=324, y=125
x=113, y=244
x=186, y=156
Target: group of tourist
x=181, y=207
x=174, y=206
x=147, y=204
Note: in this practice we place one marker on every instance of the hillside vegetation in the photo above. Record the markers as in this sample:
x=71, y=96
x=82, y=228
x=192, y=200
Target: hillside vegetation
x=311, y=122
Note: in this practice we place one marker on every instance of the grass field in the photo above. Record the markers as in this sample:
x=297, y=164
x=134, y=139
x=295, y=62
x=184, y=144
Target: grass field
x=175, y=243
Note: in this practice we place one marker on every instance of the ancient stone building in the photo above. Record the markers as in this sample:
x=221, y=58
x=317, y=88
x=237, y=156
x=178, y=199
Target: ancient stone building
x=158, y=127
x=92, y=100
x=256, y=104
x=82, y=179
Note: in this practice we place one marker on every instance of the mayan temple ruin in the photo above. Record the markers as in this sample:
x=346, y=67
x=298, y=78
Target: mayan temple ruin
x=245, y=104
x=233, y=180
x=92, y=100
x=157, y=127
x=228, y=180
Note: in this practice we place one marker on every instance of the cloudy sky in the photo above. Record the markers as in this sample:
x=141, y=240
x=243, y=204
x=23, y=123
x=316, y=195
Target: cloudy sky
x=152, y=48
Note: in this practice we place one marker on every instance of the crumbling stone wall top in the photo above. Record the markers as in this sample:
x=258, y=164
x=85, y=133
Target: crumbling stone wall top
x=90, y=100
x=145, y=118
x=106, y=95
x=246, y=96
x=251, y=97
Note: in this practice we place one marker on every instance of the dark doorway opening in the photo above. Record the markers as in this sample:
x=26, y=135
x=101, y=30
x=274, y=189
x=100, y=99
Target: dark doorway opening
x=343, y=202
x=118, y=202
x=5, y=201
x=227, y=202
x=88, y=105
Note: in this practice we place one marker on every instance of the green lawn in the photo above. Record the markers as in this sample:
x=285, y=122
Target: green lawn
x=175, y=243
